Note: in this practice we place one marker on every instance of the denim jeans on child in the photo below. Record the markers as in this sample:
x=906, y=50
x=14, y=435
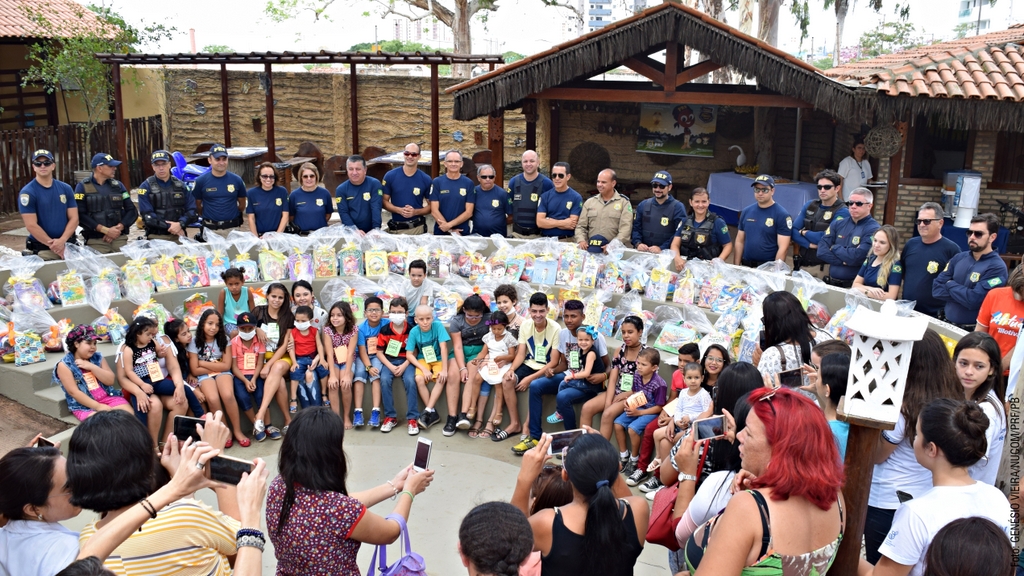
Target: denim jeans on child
x=166, y=388
x=243, y=396
x=412, y=398
x=361, y=374
x=309, y=394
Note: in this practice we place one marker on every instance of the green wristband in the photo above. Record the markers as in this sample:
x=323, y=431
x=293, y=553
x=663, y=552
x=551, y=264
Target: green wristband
x=411, y=497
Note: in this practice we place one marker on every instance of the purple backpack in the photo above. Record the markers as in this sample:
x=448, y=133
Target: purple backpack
x=410, y=564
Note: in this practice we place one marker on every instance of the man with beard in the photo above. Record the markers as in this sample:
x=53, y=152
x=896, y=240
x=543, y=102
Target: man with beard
x=970, y=275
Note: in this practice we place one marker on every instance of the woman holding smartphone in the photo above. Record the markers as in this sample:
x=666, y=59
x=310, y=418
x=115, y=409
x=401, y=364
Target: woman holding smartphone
x=788, y=336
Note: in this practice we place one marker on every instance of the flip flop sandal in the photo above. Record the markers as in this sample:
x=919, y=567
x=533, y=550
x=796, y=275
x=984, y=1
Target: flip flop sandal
x=502, y=435
x=293, y=406
x=475, y=430
x=485, y=433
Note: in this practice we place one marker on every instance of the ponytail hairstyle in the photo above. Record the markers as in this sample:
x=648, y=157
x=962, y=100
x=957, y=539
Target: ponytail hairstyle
x=987, y=344
x=220, y=338
x=496, y=537
x=172, y=328
x=232, y=273
x=474, y=303
x=592, y=464
x=957, y=428
x=139, y=325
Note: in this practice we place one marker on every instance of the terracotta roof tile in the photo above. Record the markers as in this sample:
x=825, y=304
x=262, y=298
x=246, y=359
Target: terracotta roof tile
x=15, y=23
x=990, y=66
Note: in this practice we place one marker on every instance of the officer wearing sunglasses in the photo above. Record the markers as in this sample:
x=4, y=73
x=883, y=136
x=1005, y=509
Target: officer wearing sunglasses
x=48, y=210
x=969, y=275
x=846, y=242
x=493, y=207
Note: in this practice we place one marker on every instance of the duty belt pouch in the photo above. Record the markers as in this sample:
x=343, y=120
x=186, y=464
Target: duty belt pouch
x=414, y=223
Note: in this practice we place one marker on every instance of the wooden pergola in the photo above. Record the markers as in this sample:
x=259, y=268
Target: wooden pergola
x=269, y=59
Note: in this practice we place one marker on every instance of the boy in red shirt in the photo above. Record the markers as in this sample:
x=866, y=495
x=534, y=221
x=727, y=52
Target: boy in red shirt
x=391, y=352
x=306, y=355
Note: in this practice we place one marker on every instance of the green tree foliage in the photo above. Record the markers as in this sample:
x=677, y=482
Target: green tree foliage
x=511, y=56
x=393, y=46
x=965, y=29
x=217, y=48
x=66, y=59
x=890, y=37
x=823, y=63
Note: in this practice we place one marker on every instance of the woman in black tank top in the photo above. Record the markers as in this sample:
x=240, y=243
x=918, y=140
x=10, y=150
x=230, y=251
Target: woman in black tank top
x=596, y=533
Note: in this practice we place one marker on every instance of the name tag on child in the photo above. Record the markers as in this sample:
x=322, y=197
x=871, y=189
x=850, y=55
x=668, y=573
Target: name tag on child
x=371, y=346
x=394, y=348
x=636, y=400
x=90, y=380
x=492, y=368
x=626, y=383
x=574, y=359
x=429, y=355
x=155, y=373
x=540, y=352
x=249, y=361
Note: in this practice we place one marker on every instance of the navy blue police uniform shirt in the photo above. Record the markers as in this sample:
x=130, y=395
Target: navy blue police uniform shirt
x=219, y=195
x=451, y=197
x=310, y=209
x=762, y=227
x=560, y=206
x=678, y=215
x=834, y=213
x=50, y=205
x=360, y=205
x=491, y=211
x=146, y=207
x=846, y=244
x=965, y=282
x=922, y=264
x=403, y=190
x=869, y=274
x=268, y=206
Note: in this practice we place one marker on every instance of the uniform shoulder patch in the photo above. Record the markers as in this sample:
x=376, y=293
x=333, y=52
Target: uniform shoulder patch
x=124, y=195
x=24, y=199
x=898, y=268
x=141, y=191
x=995, y=282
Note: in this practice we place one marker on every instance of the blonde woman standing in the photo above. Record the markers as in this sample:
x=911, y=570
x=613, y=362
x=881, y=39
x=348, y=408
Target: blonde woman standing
x=882, y=273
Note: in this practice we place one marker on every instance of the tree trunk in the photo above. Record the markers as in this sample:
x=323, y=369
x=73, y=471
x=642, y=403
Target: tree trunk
x=715, y=9
x=462, y=40
x=747, y=17
x=768, y=28
x=842, y=6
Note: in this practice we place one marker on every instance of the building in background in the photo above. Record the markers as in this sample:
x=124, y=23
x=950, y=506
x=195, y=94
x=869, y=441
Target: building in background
x=426, y=31
x=993, y=16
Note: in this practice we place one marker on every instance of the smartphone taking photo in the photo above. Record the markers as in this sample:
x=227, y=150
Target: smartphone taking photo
x=43, y=443
x=561, y=440
x=791, y=378
x=185, y=428
x=422, y=460
x=711, y=428
x=228, y=470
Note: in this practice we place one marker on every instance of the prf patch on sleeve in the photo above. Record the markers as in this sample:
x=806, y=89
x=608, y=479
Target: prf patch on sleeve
x=994, y=282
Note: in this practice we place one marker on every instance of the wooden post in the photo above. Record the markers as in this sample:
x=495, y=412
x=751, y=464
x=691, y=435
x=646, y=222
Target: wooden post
x=271, y=155
x=496, y=142
x=122, y=144
x=671, y=66
x=859, y=466
x=435, y=123
x=353, y=103
x=892, y=189
x=553, y=128
x=224, y=104
x=530, y=113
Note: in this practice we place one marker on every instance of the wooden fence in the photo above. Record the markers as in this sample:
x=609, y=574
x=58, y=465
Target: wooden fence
x=73, y=150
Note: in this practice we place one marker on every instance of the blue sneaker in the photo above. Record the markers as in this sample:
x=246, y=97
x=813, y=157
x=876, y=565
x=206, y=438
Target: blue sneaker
x=259, y=432
x=357, y=420
x=555, y=418
x=274, y=433
x=375, y=418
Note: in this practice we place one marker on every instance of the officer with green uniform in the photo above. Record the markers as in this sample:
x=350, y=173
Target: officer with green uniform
x=105, y=208
x=609, y=214
x=166, y=205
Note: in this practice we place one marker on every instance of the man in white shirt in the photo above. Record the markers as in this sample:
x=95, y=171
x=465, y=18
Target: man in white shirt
x=855, y=169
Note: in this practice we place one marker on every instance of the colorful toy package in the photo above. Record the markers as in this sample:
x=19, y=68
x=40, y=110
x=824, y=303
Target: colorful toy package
x=685, y=289
x=106, y=281
x=728, y=297
x=611, y=279
x=657, y=288
x=673, y=336
x=591, y=271
x=570, y=267
x=153, y=310
x=377, y=264
x=396, y=262
x=273, y=265
x=28, y=348
x=217, y=261
x=593, y=306
x=545, y=269
x=165, y=277
x=818, y=314
x=190, y=271
x=417, y=252
x=193, y=309
x=244, y=242
x=606, y=325
x=138, y=278
x=110, y=327
x=350, y=260
x=446, y=304
x=325, y=261
x=439, y=263
x=72, y=288
x=28, y=292
x=300, y=266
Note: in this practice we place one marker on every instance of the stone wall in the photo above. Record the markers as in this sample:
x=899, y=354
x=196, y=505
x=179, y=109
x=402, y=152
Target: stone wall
x=393, y=111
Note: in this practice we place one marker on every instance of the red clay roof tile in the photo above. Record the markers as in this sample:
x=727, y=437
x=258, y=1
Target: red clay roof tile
x=16, y=23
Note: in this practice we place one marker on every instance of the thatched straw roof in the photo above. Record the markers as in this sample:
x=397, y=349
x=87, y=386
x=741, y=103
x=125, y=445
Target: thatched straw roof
x=600, y=50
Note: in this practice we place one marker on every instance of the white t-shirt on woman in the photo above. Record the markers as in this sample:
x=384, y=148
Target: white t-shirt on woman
x=900, y=471
x=986, y=469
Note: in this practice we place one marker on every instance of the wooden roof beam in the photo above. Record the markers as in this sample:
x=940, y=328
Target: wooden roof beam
x=646, y=67
x=658, y=96
x=691, y=73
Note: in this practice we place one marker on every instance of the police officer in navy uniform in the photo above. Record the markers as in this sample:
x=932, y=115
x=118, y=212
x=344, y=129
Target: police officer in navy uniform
x=526, y=190
x=657, y=218
x=106, y=210
x=48, y=210
x=165, y=204
x=219, y=194
x=816, y=216
x=969, y=275
x=704, y=235
x=847, y=242
x=360, y=198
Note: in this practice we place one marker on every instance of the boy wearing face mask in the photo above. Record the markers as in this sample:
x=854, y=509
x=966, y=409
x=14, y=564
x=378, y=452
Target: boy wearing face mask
x=247, y=361
x=306, y=350
x=391, y=352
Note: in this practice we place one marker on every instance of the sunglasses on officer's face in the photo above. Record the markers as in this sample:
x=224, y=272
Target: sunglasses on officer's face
x=42, y=164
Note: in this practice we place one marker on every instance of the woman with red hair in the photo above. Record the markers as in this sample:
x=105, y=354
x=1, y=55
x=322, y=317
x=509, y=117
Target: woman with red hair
x=791, y=519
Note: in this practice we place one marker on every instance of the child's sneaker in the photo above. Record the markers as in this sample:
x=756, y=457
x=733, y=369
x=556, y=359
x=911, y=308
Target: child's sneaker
x=449, y=426
x=638, y=476
x=463, y=423
x=414, y=428
x=428, y=419
x=628, y=468
x=389, y=424
x=555, y=418
x=524, y=446
x=375, y=418
x=652, y=485
x=274, y=433
x=357, y=419
x=259, y=431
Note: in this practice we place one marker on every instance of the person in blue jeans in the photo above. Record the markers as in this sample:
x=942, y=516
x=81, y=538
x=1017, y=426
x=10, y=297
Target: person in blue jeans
x=368, y=366
x=636, y=417
x=307, y=355
x=395, y=363
x=582, y=363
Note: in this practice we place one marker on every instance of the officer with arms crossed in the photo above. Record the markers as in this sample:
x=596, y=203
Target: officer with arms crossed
x=451, y=198
x=493, y=208
x=969, y=275
x=48, y=210
x=164, y=202
x=559, y=210
x=766, y=224
x=847, y=241
x=657, y=218
x=703, y=235
x=359, y=197
x=816, y=216
x=405, y=194
x=526, y=190
x=924, y=257
x=219, y=194
x=107, y=211
x=606, y=217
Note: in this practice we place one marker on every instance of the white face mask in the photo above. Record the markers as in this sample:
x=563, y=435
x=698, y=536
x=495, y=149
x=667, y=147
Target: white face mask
x=397, y=318
x=302, y=325
x=247, y=335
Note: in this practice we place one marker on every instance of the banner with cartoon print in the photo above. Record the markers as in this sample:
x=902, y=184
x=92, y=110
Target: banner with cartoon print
x=677, y=129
